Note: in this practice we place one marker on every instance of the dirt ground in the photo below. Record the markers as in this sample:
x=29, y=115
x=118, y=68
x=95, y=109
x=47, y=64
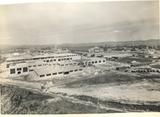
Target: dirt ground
x=107, y=92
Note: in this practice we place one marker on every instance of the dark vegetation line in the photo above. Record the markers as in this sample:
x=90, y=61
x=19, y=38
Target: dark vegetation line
x=119, y=105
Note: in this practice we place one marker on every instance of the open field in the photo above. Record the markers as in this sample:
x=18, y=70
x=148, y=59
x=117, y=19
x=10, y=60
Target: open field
x=108, y=92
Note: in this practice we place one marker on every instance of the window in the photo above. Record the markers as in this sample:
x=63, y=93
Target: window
x=59, y=59
x=66, y=72
x=42, y=75
x=25, y=69
x=48, y=74
x=54, y=73
x=18, y=69
x=19, y=72
x=80, y=69
x=59, y=72
x=99, y=61
x=29, y=66
x=71, y=70
x=34, y=65
x=75, y=70
x=47, y=61
x=103, y=60
x=39, y=65
x=95, y=61
x=54, y=59
x=7, y=65
x=92, y=62
x=12, y=71
x=31, y=70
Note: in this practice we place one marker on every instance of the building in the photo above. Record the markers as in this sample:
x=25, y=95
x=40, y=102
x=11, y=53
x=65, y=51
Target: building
x=93, y=61
x=48, y=65
x=49, y=72
x=144, y=69
x=23, y=65
x=96, y=50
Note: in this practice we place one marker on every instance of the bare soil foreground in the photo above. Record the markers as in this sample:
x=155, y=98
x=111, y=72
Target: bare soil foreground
x=106, y=93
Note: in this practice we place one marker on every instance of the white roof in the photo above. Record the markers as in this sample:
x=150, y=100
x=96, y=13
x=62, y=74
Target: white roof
x=92, y=59
x=19, y=57
x=54, y=69
x=67, y=61
x=38, y=56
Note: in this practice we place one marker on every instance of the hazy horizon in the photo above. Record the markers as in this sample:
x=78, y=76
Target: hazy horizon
x=62, y=23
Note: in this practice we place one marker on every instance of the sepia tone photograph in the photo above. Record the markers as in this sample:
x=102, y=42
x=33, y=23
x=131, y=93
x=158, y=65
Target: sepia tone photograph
x=79, y=57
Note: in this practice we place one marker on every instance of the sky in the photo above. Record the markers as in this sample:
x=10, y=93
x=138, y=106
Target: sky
x=86, y=22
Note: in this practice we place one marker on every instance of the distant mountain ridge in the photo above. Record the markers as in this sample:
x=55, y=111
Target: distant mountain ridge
x=151, y=42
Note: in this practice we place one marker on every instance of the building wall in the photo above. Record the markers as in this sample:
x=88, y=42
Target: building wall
x=94, y=61
x=95, y=50
x=51, y=74
x=18, y=70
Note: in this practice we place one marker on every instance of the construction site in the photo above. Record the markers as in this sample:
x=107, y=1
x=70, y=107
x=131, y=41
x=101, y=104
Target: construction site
x=115, y=85
x=79, y=57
